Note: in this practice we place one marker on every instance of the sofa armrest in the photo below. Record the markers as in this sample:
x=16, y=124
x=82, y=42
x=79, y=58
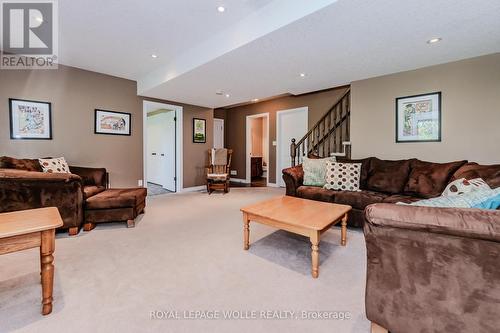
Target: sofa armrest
x=91, y=176
x=20, y=190
x=471, y=223
x=293, y=178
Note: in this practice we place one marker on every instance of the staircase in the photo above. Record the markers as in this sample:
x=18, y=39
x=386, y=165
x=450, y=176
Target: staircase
x=329, y=136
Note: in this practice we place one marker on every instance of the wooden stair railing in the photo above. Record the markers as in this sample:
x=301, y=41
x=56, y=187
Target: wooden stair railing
x=330, y=136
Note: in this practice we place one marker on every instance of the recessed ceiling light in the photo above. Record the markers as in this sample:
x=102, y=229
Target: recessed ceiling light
x=302, y=74
x=227, y=95
x=255, y=100
x=154, y=56
x=434, y=40
x=221, y=9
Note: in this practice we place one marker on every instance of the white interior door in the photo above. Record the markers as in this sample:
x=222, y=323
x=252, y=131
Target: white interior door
x=161, y=149
x=218, y=133
x=290, y=124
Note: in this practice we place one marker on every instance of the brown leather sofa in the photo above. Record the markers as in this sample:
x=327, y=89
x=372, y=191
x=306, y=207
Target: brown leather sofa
x=384, y=181
x=432, y=269
x=23, y=185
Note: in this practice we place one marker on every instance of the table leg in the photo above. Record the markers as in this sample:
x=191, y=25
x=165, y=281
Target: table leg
x=315, y=253
x=46, y=258
x=343, y=233
x=246, y=232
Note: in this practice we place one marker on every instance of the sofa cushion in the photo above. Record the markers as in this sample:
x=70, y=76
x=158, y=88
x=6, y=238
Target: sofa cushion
x=315, y=170
x=342, y=176
x=365, y=168
x=89, y=191
x=315, y=193
x=428, y=180
x=20, y=164
x=400, y=198
x=117, y=198
x=489, y=173
x=359, y=199
x=388, y=176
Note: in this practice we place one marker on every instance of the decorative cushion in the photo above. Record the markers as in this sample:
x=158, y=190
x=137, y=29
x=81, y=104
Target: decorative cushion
x=490, y=203
x=315, y=170
x=365, y=168
x=461, y=186
x=54, y=165
x=217, y=176
x=388, y=176
x=342, y=176
x=489, y=173
x=20, y=164
x=428, y=180
x=466, y=200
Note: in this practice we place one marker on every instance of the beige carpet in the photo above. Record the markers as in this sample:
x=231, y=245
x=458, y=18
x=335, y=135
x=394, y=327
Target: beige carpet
x=186, y=254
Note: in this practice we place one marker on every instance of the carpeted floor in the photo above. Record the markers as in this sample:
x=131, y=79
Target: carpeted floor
x=186, y=254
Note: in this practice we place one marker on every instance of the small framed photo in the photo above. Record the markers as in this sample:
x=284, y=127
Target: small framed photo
x=30, y=119
x=112, y=123
x=418, y=118
x=199, y=130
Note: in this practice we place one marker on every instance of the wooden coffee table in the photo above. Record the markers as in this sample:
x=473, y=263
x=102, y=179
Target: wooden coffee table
x=31, y=228
x=300, y=216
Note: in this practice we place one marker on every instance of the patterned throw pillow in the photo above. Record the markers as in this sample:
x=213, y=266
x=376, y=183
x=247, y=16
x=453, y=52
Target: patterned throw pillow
x=466, y=200
x=315, y=170
x=343, y=176
x=461, y=186
x=54, y=165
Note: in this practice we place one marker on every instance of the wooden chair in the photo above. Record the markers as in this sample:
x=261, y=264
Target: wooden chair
x=218, y=175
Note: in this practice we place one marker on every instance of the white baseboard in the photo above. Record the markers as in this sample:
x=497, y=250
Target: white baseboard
x=238, y=180
x=194, y=188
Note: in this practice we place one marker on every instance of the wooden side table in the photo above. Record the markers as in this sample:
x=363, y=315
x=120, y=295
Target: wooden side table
x=31, y=228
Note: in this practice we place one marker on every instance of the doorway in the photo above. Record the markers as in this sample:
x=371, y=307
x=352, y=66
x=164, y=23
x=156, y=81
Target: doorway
x=162, y=127
x=257, y=150
x=290, y=124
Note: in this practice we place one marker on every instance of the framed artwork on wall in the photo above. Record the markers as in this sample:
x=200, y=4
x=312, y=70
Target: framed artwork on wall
x=418, y=118
x=199, y=130
x=112, y=122
x=30, y=119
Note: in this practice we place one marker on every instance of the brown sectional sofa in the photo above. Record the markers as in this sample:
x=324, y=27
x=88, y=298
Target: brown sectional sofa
x=384, y=181
x=433, y=269
x=23, y=185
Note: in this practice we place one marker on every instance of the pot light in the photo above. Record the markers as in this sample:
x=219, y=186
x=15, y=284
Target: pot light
x=255, y=100
x=302, y=74
x=221, y=9
x=434, y=40
x=227, y=95
x=154, y=56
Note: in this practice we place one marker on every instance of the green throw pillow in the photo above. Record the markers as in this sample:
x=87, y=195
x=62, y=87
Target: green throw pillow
x=315, y=170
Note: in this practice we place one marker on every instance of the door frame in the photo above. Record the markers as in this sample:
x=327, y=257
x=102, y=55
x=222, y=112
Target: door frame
x=223, y=131
x=179, y=185
x=248, y=178
x=279, y=114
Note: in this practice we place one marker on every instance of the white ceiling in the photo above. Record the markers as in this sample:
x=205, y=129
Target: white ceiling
x=257, y=48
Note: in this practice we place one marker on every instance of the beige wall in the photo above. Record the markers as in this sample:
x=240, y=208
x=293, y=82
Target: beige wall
x=74, y=95
x=235, y=123
x=256, y=131
x=470, y=112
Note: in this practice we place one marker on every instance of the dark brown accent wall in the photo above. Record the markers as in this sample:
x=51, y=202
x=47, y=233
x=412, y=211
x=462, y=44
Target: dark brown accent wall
x=235, y=123
x=74, y=94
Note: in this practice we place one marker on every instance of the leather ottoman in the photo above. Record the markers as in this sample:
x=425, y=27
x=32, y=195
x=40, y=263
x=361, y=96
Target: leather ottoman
x=114, y=205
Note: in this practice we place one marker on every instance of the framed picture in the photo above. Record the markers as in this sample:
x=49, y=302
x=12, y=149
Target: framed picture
x=113, y=123
x=418, y=118
x=30, y=119
x=199, y=130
